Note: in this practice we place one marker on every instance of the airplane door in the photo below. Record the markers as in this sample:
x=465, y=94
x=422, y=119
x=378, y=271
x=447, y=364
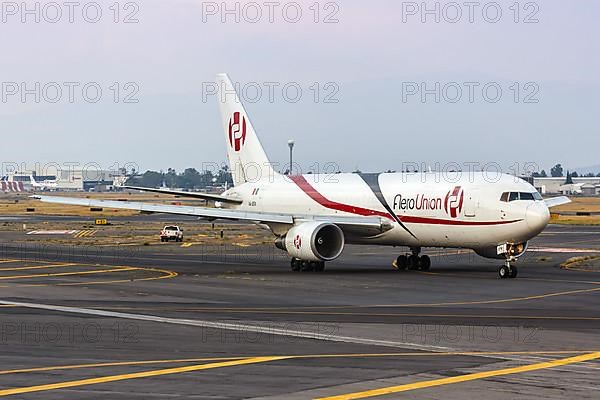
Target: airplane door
x=471, y=203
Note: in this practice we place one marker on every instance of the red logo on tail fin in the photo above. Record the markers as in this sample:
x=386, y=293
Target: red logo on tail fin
x=237, y=131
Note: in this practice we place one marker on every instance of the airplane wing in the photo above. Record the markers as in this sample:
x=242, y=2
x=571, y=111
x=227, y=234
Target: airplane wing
x=557, y=201
x=204, y=212
x=364, y=225
x=203, y=196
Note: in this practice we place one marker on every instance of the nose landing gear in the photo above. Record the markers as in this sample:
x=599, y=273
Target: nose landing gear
x=413, y=261
x=508, y=270
x=511, y=253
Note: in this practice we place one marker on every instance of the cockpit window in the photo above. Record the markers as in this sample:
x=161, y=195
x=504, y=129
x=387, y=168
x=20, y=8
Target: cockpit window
x=514, y=196
x=526, y=196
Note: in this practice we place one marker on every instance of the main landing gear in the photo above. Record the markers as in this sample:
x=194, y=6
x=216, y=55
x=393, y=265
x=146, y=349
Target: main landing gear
x=306, y=266
x=507, y=270
x=413, y=261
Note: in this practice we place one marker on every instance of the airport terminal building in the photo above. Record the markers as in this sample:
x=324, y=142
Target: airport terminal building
x=585, y=186
x=74, y=180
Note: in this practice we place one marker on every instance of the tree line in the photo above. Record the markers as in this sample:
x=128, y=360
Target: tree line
x=189, y=179
x=192, y=179
x=558, y=171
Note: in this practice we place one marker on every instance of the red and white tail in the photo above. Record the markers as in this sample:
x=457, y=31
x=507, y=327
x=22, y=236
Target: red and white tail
x=7, y=186
x=247, y=159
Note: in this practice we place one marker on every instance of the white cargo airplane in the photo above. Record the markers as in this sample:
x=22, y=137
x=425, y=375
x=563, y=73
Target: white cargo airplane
x=43, y=185
x=313, y=216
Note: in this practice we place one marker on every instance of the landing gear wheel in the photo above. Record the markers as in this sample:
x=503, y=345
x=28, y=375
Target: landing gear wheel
x=306, y=266
x=425, y=263
x=504, y=272
x=319, y=266
x=402, y=262
x=513, y=272
x=295, y=264
x=413, y=262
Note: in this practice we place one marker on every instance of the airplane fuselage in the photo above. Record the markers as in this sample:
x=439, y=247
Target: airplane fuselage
x=424, y=209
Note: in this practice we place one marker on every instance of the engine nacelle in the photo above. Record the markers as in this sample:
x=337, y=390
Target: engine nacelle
x=313, y=241
x=513, y=250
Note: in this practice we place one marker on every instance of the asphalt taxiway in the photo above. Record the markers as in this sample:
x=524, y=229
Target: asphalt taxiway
x=233, y=322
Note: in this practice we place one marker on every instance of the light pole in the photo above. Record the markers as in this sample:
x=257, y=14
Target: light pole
x=291, y=145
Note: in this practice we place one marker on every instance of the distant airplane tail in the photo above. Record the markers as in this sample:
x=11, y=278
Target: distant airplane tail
x=247, y=159
x=33, y=182
x=6, y=186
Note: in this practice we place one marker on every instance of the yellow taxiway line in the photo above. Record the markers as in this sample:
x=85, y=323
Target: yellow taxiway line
x=68, y=273
x=293, y=357
x=464, y=378
x=235, y=361
x=166, y=275
x=116, y=364
x=405, y=305
x=38, y=267
x=137, y=375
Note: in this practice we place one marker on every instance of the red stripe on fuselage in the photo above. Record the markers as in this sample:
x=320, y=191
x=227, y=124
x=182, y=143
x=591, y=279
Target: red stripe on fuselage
x=435, y=221
x=333, y=205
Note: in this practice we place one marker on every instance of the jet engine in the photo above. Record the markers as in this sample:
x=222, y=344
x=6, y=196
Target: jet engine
x=313, y=241
x=513, y=250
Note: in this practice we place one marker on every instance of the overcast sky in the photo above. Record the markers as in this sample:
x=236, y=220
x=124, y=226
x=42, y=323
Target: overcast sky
x=361, y=67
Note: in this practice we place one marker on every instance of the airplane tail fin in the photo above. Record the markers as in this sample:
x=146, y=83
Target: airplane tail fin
x=247, y=159
x=33, y=182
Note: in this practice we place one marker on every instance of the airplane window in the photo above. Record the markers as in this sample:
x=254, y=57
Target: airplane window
x=526, y=196
x=514, y=196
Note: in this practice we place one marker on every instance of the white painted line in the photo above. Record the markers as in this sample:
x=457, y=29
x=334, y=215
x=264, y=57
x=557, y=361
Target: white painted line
x=561, y=250
x=230, y=326
x=51, y=232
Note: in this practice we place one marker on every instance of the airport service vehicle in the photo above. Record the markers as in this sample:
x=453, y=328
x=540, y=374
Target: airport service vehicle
x=314, y=216
x=171, y=232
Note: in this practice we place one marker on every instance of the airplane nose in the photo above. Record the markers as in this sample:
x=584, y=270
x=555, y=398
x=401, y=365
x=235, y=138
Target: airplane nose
x=537, y=217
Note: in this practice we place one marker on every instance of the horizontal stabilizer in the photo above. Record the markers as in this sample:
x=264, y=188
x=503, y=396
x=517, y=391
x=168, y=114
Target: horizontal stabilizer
x=196, y=195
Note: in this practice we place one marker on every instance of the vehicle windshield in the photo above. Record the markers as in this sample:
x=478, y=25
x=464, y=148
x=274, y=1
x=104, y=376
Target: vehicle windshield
x=171, y=228
x=514, y=196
